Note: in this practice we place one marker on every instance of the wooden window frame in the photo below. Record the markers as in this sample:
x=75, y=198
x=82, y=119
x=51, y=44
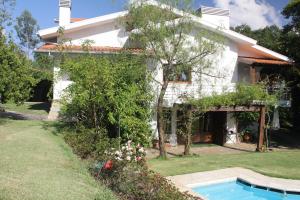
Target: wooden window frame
x=189, y=81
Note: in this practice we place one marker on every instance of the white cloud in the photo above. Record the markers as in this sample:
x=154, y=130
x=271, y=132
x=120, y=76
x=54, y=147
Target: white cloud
x=255, y=13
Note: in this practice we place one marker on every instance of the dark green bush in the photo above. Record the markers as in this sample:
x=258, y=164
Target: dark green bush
x=110, y=92
x=88, y=143
x=136, y=182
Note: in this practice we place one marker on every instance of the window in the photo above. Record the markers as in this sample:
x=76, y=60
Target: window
x=180, y=75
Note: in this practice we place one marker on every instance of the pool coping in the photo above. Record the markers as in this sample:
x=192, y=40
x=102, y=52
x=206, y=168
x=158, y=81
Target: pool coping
x=186, y=182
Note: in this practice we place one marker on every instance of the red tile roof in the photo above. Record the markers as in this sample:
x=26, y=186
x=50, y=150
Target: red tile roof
x=77, y=19
x=265, y=61
x=75, y=48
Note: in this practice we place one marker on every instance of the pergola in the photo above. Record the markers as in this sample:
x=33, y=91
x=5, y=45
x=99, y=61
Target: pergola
x=259, y=107
x=252, y=108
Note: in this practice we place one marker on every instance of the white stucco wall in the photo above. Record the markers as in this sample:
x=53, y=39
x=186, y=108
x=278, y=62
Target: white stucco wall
x=224, y=68
x=60, y=84
x=109, y=34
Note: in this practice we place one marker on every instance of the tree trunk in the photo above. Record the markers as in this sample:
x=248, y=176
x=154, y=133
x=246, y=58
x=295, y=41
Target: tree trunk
x=188, y=137
x=160, y=120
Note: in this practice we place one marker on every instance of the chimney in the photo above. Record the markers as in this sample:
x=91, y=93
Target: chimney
x=65, y=7
x=217, y=16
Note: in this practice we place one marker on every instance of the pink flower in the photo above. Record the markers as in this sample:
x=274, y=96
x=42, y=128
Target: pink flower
x=108, y=165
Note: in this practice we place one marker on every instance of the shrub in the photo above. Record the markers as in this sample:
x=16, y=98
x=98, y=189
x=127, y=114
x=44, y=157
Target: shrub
x=129, y=177
x=88, y=143
x=109, y=92
x=136, y=182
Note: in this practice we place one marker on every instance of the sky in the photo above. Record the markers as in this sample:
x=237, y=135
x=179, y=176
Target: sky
x=256, y=13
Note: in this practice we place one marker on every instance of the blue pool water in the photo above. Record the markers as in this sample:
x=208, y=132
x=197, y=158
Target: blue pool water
x=238, y=190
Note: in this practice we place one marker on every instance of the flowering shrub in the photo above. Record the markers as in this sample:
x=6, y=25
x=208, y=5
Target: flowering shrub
x=126, y=173
x=128, y=152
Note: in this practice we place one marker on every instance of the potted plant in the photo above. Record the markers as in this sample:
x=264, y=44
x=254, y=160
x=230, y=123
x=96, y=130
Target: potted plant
x=155, y=143
x=246, y=136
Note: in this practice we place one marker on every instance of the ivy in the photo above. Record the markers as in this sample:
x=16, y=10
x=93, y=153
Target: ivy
x=245, y=95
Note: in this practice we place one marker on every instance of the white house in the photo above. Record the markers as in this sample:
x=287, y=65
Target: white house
x=240, y=60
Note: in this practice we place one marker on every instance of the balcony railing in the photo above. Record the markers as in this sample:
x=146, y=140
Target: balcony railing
x=284, y=95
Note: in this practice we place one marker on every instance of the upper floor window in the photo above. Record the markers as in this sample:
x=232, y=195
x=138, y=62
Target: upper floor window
x=183, y=75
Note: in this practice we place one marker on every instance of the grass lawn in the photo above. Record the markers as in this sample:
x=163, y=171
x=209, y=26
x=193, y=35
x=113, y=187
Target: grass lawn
x=34, y=108
x=276, y=164
x=35, y=164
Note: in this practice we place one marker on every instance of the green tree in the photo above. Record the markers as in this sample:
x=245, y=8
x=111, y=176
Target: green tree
x=109, y=92
x=15, y=73
x=6, y=7
x=165, y=32
x=27, y=29
x=244, y=29
x=291, y=34
x=291, y=43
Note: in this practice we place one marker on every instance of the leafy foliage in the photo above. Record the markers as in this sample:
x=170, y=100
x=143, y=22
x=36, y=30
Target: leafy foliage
x=291, y=43
x=244, y=95
x=6, y=7
x=106, y=89
x=16, y=79
x=87, y=143
x=292, y=30
x=26, y=29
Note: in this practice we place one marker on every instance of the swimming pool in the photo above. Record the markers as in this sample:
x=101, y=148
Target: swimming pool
x=240, y=190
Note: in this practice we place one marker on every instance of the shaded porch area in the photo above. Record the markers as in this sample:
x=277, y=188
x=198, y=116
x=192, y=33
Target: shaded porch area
x=217, y=127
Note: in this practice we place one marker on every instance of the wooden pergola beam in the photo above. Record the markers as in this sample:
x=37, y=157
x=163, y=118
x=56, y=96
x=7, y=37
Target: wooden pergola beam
x=261, y=129
x=252, y=74
x=235, y=109
x=252, y=108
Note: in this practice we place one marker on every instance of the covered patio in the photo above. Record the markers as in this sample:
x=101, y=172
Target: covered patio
x=217, y=127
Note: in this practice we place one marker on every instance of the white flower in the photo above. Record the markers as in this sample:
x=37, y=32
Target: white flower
x=141, y=150
x=128, y=158
x=129, y=143
x=118, y=158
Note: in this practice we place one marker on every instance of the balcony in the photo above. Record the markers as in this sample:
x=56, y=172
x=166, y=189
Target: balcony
x=284, y=95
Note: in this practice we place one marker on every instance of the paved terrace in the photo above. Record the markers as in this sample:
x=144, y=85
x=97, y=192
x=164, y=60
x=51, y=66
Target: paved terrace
x=186, y=182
